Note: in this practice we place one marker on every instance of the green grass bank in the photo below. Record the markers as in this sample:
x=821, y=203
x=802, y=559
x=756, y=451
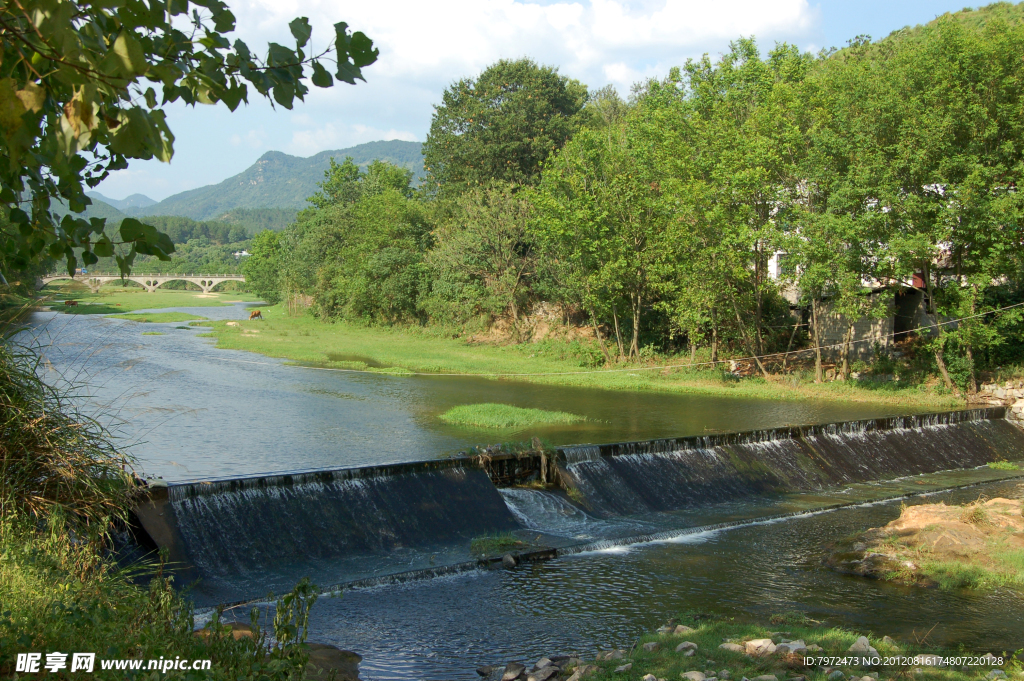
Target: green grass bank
x=728, y=650
x=117, y=299
x=307, y=340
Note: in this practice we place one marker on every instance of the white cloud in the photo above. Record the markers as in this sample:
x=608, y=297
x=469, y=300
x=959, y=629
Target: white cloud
x=424, y=47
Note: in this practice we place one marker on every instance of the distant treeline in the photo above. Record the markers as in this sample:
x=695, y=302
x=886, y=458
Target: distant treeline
x=182, y=230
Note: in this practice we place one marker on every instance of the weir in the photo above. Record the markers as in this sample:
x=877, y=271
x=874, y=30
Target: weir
x=352, y=523
x=632, y=478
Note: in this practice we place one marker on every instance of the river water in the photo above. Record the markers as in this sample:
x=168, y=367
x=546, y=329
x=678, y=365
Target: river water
x=192, y=411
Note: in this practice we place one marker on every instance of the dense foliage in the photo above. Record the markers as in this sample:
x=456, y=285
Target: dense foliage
x=78, y=98
x=754, y=204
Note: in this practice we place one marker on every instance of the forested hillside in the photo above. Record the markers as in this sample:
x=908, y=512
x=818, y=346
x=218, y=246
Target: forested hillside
x=737, y=205
x=279, y=181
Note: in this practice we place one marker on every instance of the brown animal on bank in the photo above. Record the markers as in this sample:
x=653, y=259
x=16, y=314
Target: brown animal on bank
x=255, y=314
x=71, y=303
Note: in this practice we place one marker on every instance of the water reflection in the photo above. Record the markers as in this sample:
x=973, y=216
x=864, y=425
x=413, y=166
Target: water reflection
x=193, y=411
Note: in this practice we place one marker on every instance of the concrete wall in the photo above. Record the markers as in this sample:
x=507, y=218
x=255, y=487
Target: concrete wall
x=866, y=331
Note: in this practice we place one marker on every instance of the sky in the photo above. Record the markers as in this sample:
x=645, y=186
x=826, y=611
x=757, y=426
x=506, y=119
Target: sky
x=426, y=46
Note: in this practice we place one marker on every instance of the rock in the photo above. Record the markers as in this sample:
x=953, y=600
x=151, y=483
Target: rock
x=990, y=659
x=485, y=671
x=650, y=677
x=862, y=647
x=683, y=629
x=791, y=648
x=765, y=677
x=509, y=561
x=512, y=671
x=798, y=677
x=733, y=647
x=543, y=674
x=836, y=675
x=760, y=647
x=326, y=660
x=665, y=630
x=686, y=645
x=542, y=662
x=724, y=674
x=584, y=671
x=652, y=647
x=888, y=640
x=624, y=668
x=612, y=655
x=693, y=676
x=814, y=648
x=995, y=674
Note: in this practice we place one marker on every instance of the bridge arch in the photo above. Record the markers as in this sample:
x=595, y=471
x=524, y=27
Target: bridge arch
x=150, y=282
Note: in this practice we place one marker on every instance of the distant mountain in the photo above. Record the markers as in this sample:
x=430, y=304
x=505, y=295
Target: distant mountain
x=129, y=204
x=97, y=209
x=278, y=180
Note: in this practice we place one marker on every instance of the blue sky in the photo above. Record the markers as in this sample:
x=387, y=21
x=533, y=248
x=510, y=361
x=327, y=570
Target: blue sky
x=426, y=46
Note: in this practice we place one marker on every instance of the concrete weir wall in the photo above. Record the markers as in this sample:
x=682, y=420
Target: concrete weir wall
x=229, y=528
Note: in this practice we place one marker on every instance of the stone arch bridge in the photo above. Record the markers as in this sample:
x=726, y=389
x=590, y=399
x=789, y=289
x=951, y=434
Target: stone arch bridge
x=151, y=282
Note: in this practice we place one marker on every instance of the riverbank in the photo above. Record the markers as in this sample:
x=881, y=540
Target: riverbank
x=790, y=648
x=306, y=340
x=975, y=545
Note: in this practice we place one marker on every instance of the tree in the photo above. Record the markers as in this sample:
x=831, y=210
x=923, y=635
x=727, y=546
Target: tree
x=262, y=269
x=484, y=257
x=501, y=125
x=604, y=219
x=79, y=97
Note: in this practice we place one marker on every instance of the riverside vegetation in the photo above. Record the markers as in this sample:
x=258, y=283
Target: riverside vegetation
x=675, y=224
x=708, y=648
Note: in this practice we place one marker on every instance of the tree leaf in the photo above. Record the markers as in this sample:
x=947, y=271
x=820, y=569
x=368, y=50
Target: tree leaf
x=301, y=29
x=321, y=78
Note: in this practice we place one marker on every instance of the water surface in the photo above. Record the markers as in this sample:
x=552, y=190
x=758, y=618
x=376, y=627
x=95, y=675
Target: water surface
x=193, y=411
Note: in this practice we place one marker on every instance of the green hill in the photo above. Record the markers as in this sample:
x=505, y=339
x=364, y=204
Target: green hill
x=278, y=180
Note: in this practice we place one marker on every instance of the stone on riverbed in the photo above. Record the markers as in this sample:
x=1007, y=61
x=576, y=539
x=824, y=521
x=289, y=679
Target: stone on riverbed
x=760, y=647
x=765, y=677
x=542, y=674
x=512, y=671
x=733, y=647
x=791, y=647
x=683, y=629
x=624, y=668
x=612, y=655
x=693, y=676
x=686, y=645
x=652, y=647
x=862, y=647
x=485, y=670
x=327, y=659
x=541, y=663
x=584, y=671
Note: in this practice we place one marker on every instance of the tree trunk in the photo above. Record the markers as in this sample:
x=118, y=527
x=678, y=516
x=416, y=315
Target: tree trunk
x=845, y=365
x=746, y=340
x=597, y=334
x=789, y=346
x=618, y=333
x=940, y=359
x=634, y=347
x=693, y=350
x=714, y=337
x=815, y=328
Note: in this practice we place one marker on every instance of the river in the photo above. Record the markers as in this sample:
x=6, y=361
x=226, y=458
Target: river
x=191, y=411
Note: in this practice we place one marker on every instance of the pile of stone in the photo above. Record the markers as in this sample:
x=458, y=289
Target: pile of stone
x=1009, y=394
x=552, y=668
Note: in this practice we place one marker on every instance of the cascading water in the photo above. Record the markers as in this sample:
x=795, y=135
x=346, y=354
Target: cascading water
x=240, y=538
x=639, y=478
x=243, y=532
